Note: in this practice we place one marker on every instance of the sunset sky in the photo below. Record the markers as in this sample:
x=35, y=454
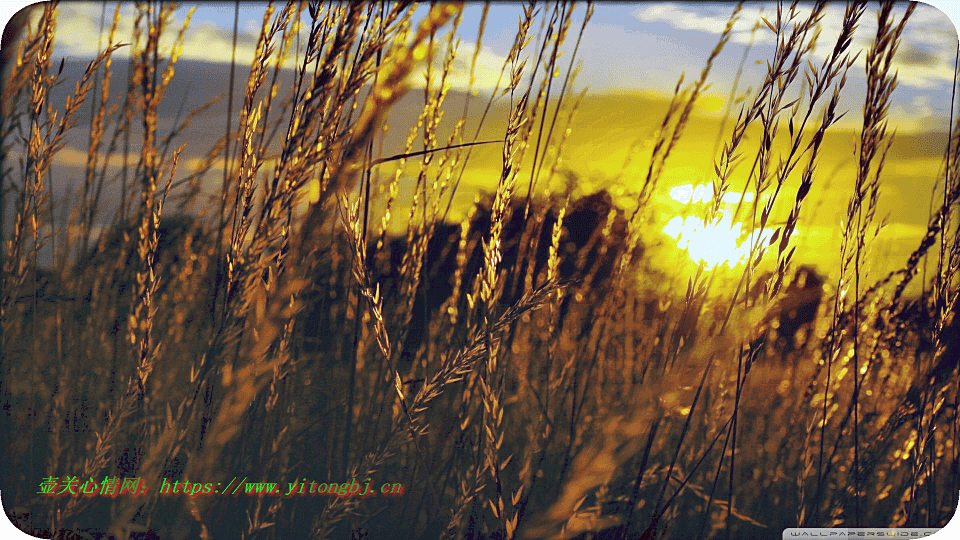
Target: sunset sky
x=628, y=47
x=632, y=55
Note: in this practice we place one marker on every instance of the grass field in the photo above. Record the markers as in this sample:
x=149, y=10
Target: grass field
x=551, y=363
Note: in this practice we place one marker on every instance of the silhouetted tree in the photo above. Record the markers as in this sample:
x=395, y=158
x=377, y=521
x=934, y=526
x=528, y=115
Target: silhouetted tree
x=586, y=257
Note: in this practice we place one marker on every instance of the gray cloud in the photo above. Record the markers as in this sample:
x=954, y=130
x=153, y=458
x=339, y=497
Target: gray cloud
x=917, y=56
x=926, y=54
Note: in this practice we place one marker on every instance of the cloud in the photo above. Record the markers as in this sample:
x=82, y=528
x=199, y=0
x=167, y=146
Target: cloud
x=79, y=34
x=611, y=62
x=486, y=71
x=924, y=60
x=918, y=56
x=702, y=18
x=917, y=117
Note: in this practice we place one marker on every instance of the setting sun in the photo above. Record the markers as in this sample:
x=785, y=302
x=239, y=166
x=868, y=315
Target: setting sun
x=713, y=244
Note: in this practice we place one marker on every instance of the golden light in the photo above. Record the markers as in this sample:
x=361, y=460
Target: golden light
x=313, y=191
x=703, y=193
x=716, y=243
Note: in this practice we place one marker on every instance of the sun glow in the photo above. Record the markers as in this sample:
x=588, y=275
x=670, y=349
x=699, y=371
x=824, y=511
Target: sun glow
x=719, y=242
x=703, y=193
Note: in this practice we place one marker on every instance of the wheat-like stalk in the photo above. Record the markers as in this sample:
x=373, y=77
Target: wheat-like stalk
x=545, y=367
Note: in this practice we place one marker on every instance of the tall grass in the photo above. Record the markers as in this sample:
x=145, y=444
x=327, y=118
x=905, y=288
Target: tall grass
x=531, y=372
